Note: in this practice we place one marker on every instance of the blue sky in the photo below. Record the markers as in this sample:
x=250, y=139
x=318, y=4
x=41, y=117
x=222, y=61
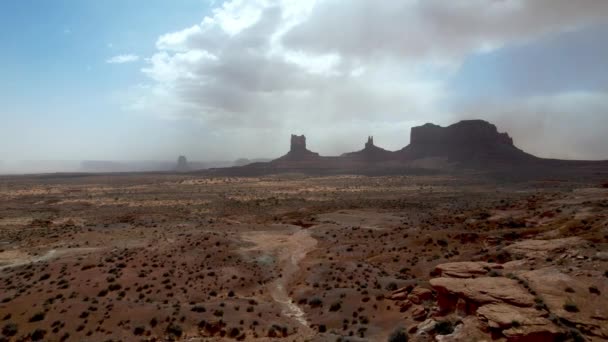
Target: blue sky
x=58, y=94
x=219, y=80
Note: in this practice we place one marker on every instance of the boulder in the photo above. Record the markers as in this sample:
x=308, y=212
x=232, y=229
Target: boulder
x=468, y=329
x=479, y=291
x=541, y=248
x=402, y=293
x=518, y=324
x=465, y=269
x=405, y=305
x=419, y=313
x=419, y=295
x=425, y=327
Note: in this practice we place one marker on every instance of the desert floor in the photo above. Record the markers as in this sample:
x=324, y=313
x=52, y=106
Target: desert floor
x=350, y=258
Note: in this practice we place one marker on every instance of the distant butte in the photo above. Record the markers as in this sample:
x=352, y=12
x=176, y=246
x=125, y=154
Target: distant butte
x=370, y=153
x=466, y=141
x=466, y=145
x=298, y=150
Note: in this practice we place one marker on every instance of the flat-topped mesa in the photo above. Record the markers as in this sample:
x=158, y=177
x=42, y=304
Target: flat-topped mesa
x=463, y=132
x=475, y=141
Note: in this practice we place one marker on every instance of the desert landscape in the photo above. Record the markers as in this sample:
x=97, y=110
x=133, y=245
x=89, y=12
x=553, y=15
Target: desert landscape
x=156, y=257
x=304, y=171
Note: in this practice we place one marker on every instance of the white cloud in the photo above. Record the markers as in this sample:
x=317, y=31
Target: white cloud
x=435, y=29
x=341, y=66
x=121, y=59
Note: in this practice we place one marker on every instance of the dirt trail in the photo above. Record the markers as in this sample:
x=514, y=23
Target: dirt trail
x=289, y=248
x=17, y=258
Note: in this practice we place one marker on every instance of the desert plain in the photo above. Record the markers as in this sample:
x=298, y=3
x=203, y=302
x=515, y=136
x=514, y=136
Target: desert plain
x=167, y=256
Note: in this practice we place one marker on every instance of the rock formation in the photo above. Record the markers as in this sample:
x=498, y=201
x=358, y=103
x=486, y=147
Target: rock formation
x=513, y=301
x=465, y=132
x=182, y=164
x=298, y=150
x=467, y=141
x=370, y=153
x=370, y=142
x=464, y=146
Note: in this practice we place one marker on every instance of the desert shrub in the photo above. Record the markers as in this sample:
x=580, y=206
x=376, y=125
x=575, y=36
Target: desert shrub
x=37, y=317
x=444, y=328
x=539, y=303
x=38, y=335
x=399, y=335
x=234, y=332
x=139, y=331
x=570, y=307
x=10, y=329
x=494, y=274
x=335, y=306
x=593, y=289
x=198, y=308
x=576, y=336
x=114, y=287
x=315, y=302
x=391, y=286
x=174, y=330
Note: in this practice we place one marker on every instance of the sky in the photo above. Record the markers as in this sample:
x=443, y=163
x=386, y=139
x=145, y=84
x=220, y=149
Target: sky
x=221, y=80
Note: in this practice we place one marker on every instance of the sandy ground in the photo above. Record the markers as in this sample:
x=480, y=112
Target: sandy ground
x=182, y=257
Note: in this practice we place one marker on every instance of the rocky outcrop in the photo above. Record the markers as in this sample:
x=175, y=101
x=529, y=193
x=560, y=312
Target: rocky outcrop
x=298, y=150
x=182, y=164
x=467, y=132
x=298, y=144
x=466, y=145
x=469, y=294
x=469, y=141
x=466, y=269
x=370, y=153
x=518, y=300
x=518, y=324
x=580, y=302
x=541, y=248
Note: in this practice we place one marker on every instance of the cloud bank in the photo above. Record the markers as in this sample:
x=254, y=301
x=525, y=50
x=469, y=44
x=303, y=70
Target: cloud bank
x=339, y=70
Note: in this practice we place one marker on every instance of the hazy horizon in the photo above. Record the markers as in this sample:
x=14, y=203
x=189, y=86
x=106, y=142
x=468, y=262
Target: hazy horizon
x=222, y=80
